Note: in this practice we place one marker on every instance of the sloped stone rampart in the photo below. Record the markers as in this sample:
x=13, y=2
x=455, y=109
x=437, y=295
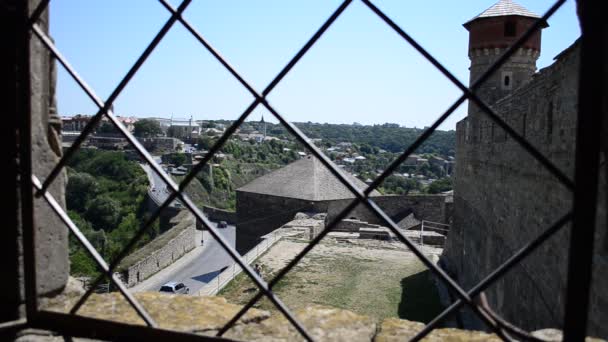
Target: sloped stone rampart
x=162, y=251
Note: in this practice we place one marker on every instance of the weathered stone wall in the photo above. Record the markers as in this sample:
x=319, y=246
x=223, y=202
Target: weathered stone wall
x=167, y=251
x=216, y=214
x=205, y=315
x=259, y=214
x=352, y=225
x=159, y=143
x=52, y=266
x=424, y=207
x=166, y=215
x=504, y=198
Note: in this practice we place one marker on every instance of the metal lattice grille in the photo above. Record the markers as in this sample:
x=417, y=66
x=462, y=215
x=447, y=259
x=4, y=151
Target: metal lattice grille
x=501, y=328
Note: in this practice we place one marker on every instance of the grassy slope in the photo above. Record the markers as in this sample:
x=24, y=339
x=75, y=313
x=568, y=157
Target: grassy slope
x=374, y=288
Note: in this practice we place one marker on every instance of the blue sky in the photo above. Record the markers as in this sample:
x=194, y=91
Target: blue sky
x=360, y=70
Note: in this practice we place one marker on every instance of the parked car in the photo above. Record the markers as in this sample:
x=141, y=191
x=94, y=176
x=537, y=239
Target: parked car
x=222, y=224
x=174, y=287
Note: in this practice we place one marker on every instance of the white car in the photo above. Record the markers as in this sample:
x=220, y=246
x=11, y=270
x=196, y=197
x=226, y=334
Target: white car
x=175, y=287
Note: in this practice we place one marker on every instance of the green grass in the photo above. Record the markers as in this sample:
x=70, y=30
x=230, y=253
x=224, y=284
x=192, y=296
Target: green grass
x=371, y=287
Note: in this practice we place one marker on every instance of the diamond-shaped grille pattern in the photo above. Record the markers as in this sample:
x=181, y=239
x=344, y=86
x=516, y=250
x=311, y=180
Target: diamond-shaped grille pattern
x=504, y=330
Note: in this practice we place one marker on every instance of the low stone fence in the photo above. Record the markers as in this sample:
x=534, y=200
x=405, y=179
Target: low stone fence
x=160, y=252
x=233, y=270
x=216, y=214
x=352, y=225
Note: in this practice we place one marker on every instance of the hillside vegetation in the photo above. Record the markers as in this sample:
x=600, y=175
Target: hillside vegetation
x=105, y=197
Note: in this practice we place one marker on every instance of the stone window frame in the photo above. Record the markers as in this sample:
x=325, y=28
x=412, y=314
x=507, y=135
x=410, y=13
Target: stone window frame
x=66, y=322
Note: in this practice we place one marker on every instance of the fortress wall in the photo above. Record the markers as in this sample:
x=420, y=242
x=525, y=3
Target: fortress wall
x=216, y=214
x=162, y=251
x=259, y=214
x=424, y=207
x=503, y=198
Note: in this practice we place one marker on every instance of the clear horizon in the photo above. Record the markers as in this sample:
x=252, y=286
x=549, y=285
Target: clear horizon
x=359, y=71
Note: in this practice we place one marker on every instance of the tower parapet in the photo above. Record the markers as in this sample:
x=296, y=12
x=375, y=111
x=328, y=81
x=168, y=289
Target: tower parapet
x=490, y=34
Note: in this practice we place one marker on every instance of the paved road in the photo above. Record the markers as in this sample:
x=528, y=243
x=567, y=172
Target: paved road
x=196, y=268
x=157, y=186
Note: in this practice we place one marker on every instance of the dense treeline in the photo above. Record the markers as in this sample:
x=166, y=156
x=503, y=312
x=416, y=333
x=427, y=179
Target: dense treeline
x=378, y=144
x=389, y=137
x=105, y=197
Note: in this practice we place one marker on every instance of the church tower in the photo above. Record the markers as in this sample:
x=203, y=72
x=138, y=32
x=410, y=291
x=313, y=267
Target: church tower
x=264, y=126
x=490, y=34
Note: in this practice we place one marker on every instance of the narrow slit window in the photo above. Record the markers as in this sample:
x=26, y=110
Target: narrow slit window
x=507, y=81
x=510, y=29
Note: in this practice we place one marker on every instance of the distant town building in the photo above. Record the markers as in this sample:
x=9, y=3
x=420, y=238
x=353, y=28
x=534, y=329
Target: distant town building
x=74, y=123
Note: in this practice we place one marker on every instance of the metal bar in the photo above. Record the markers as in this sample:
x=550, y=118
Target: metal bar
x=17, y=324
x=108, y=104
x=93, y=253
x=289, y=266
x=42, y=5
x=209, y=48
x=251, y=107
x=363, y=198
x=46, y=40
x=219, y=238
x=169, y=182
x=79, y=326
x=23, y=87
x=473, y=97
x=273, y=84
x=414, y=146
x=224, y=137
x=521, y=254
x=262, y=285
x=591, y=111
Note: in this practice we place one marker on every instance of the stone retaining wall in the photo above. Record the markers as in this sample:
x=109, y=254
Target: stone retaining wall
x=424, y=207
x=216, y=214
x=352, y=225
x=170, y=251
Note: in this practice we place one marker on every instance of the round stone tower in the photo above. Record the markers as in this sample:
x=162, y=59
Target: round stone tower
x=490, y=34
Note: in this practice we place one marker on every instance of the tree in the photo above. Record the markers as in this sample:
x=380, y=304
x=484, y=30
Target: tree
x=177, y=159
x=205, y=143
x=103, y=213
x=440, y=185
x=81, y=188
x=106, y=128
x=147, y=128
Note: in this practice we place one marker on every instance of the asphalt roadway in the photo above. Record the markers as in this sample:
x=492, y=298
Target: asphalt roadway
x=196, y=268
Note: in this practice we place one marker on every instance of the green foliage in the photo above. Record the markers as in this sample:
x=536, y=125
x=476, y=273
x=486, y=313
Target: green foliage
x=106, y=199
x=103, y=212
x=108, y=164
x=205, y=142
x=399, y=185
x=81, y=264
x=177, y=159
x=147, y=128
x=81, y=188
x=107, y=128
x=440, y=185
x=390, y=137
